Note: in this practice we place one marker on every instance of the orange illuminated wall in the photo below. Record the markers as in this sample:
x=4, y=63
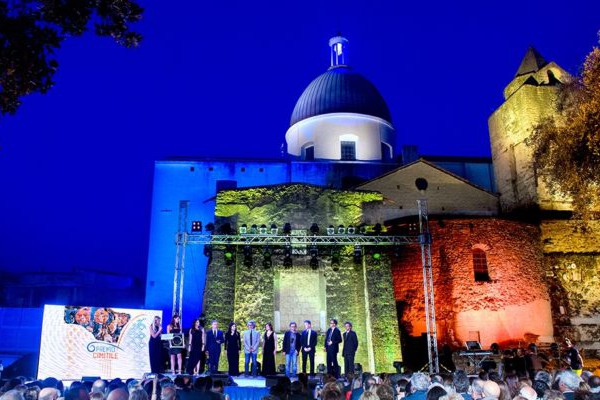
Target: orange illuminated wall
x=508, y=304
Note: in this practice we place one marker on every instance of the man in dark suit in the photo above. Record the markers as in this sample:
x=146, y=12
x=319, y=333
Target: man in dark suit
x=333, y=338
x=214, y=341
x=350, y=346
x=309, y=343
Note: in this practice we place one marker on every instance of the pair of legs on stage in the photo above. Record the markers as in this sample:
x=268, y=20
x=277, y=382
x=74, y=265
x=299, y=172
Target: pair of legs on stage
x=311, y=357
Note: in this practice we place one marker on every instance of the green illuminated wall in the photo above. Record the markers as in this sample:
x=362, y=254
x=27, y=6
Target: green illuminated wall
x=353, y=293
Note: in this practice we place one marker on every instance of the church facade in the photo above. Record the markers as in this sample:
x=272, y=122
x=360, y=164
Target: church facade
x=503, y=270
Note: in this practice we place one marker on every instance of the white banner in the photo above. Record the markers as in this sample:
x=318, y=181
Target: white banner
x=94, y=341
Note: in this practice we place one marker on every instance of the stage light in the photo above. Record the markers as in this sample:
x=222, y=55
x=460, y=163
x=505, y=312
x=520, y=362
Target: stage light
x=248, y=262
x=274, y=229
x=399, y=365
x=376, y=256
x=357, y=254
x=229, y=251
x=335, y=259
x=287, y=228
x=263, y=229
x=210, y=227
x=321, y=369
x=351, y=230
x=362, y=229
x=267, y=263
x=208, y=250
x=314, y=229
x=341, y=230
x=287, y=256
x=377, y=229
x=253, y=229
x=243, y=229
x=225, y=229
x=196, y=226
x=330, y=230
x=314, y=254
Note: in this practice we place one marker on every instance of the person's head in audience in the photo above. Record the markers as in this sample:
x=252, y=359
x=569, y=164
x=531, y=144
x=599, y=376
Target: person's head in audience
x=96, y=396
x=543, y=376
x=331, y=391
x=491, y=390
x=553, y=395
x=594, y=382
x=477, y=389
x=99, y=386
x=435, y=392
x=540, y=388
x=494, y=376
x=168, y=393
x=200, y=384
x=385, y=392
x=296, y=387
x=48, y=394
x=12, y=394
x=31, y=393
x=460, y=381
x=419, y=382
x=568, y=381
x=138, y=394
x=528, y=392
x=483, y=376
x=118, y=394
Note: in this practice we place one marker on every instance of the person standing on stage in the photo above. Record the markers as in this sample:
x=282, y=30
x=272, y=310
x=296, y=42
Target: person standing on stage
x=214, y=341
x=269, y=350
x=333, y=338
x=573, y=357
x=291, y=347
x=155, y=346
x=309, y=344
x=350, y=346
x=251, y=345
x=175, y=327
x=233, y=344
x=196, y=342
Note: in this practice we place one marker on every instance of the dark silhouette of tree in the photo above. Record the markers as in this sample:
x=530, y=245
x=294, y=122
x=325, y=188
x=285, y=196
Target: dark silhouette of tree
x=32, y=30
x=566, y=147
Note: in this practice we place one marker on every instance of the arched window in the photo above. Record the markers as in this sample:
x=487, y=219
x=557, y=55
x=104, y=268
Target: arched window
x=480, y=267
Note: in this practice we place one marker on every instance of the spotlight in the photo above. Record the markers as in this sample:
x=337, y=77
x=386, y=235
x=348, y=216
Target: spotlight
x=362, y=229
x=248, y=262
x=376, y=256
x=274, y=229
x=357, y=254
x=208, y=250
x=314, y=253
x=351, y=230
x=225, y=229
x=267, y=263
x=335, y=259
x=228, y=254
x=287, y=256
x=263, y=229
x=330, y=230
x=321, y=368
x=341, y=230
x=377, y=229
x=210, y=227
x=243, y=229
x=314, y=229
x=196, y=226
x=287, y=228
x=253, y=229
x=399, y=365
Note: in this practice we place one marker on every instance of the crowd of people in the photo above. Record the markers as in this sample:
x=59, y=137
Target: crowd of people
x=543, y=385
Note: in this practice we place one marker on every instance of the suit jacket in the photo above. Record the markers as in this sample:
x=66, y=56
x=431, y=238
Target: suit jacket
x=336, y=338
x=313, y=340
x=350, y=343
x=286, y=341
x=255, y=341
x=213, y=343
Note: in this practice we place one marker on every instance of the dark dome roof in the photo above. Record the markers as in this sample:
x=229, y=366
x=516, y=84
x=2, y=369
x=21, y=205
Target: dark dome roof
x=340, y=90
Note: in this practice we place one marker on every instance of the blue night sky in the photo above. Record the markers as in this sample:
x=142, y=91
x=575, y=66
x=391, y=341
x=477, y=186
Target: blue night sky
x=221, y=79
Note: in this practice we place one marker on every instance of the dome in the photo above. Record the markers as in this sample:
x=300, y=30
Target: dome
x=340, y=90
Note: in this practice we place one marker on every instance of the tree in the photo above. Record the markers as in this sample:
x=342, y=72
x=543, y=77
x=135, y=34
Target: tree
x=566, y=147
x=32, y=30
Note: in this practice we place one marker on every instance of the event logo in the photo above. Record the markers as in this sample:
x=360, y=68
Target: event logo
x=103, y=350
x=106, y=325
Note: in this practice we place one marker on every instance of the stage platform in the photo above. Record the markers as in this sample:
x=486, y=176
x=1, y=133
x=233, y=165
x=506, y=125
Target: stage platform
x=248, y=388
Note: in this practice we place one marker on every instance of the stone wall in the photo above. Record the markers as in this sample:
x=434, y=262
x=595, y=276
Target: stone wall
x=513, y=304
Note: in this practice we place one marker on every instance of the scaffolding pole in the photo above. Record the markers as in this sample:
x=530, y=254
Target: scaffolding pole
x=428, y=293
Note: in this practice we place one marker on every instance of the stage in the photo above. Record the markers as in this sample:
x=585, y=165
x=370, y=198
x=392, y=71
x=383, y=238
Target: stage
x=247, y=388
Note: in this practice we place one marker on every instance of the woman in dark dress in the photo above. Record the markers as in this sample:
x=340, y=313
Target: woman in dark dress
x=269, y=350
x=196, y=343
x=233, y=344
x=175, y=327
x=155, y=346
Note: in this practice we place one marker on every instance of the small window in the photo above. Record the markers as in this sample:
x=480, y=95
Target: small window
x=261, y=170
x=480, y=267
x=309, y=153
x=348, y=150
x=243, y=169
x=210, y=168
x=192, y=169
